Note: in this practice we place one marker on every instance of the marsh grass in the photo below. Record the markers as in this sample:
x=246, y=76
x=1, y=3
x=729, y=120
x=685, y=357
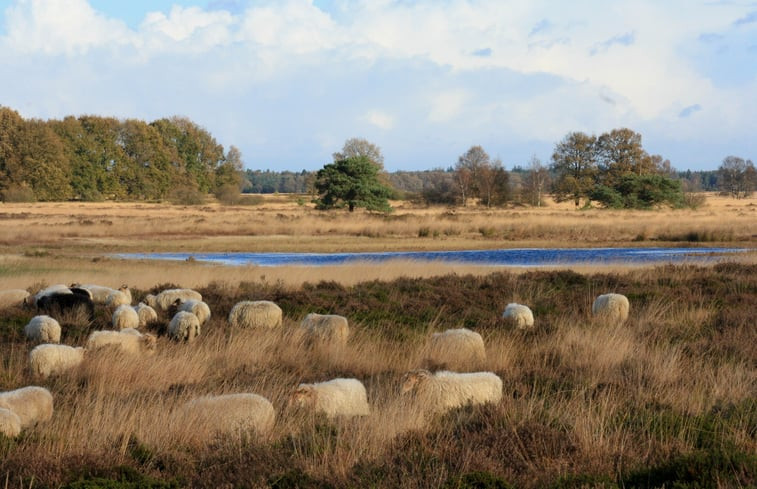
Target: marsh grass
x=674, y=387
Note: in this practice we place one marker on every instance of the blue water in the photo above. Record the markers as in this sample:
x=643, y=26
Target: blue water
x=511, y=257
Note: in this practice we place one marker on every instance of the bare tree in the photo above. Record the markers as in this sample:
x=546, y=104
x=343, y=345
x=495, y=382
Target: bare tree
x=737, y=176
x=492, y=183
x=467, y=171
x=536, y=181
x=354, y=147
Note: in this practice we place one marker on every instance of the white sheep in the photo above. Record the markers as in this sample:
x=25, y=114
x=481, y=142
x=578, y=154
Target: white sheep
x=10, y=423
x=13, y=297
x=229, y=413
x=445, y=390
x=255, y=314
x=146, y=314
x=336, y=397
x=168, y=297
x=612, y=307
x=459, y=349
x=128, y=340
x=519, y=316
x=43, y=329
x=31, y=404
x=100, y=293
x=53, y=289
x=184, y=326
x=325, y=328
x=46, y=360
x=198, y=308
x=125, y=317
x=118, y=298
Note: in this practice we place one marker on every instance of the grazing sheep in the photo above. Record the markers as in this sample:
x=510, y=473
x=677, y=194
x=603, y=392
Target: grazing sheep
x=459, y=349
x=337, y=397
x=100, y=293
x=31, y=404
x=229, y=413
x=80, y=291
x=184, y=326
x=118, y=298
x=13, y=297
x=168, y=297
x=53, y=289
x=612, y=307
x=43, y=329
x=445, y=390
x=125, y=317
x=60, y=303
x=146, y=314
x=198, y=308
x=519, y=316
x=128, y=340
x=255, y=314
x=10, y=423
x=325, y=328
x=46, y=360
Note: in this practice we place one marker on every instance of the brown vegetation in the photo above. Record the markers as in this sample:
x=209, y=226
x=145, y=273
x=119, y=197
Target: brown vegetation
x=584, y=401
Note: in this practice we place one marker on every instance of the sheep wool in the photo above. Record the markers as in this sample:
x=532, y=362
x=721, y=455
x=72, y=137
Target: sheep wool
x=43, y=329
x=125, y=316
x=10, y=423
x=325, y=328
x=198, y=308
x=184, y=326
x=459, y=349
x=128, y=340
x=118, y=298
x=53, y=289
x=31, y=404
x=445, y=390
x=146, y=314
x=99, y=293
x=46, y=360
x=336, y=397
x=230, y=413
x=519, y=316
x=255, y=314
x=13, y=297
x=612, y=307
x=168, y=297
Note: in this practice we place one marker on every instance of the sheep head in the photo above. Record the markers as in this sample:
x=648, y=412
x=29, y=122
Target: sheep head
x=414, y=377
x=149, y=342
x=303, y=396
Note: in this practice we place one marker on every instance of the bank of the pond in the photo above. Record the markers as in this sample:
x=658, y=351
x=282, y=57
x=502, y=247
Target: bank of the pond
x=526, y=257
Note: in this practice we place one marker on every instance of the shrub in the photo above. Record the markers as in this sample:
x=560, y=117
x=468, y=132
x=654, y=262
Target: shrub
x=228, y=194
x=18, y=193
x=186, y=195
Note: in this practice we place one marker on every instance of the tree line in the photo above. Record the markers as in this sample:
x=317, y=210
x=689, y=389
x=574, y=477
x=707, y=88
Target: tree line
x=94, y=158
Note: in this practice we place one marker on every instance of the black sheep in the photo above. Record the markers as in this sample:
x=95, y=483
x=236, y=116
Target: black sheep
x=59, y=304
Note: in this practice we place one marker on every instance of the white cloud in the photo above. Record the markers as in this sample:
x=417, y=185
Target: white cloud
x=380, y=119
x=60, y=27
x=439, y=71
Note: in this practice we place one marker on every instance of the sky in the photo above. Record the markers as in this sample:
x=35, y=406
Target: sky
x=289, y=81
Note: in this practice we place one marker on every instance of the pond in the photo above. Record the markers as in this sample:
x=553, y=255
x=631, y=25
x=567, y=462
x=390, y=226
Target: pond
x=525, y=257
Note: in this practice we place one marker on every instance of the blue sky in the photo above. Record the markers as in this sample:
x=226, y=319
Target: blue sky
x=288, y=81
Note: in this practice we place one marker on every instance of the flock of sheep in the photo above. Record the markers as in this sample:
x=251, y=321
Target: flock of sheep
x=341, y=397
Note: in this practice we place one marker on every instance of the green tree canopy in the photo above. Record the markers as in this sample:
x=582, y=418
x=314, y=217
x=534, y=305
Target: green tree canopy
x=352, y=182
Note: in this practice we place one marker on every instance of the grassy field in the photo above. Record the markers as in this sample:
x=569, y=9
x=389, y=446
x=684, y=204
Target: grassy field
x=667, y=400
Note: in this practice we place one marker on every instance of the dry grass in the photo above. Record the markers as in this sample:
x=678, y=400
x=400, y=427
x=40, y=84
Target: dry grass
x=581, y=398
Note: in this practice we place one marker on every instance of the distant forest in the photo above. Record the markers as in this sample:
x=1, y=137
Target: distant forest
x=415, y=182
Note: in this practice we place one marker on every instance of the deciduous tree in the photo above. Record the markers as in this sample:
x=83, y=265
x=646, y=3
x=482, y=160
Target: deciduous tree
x=575, y=167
